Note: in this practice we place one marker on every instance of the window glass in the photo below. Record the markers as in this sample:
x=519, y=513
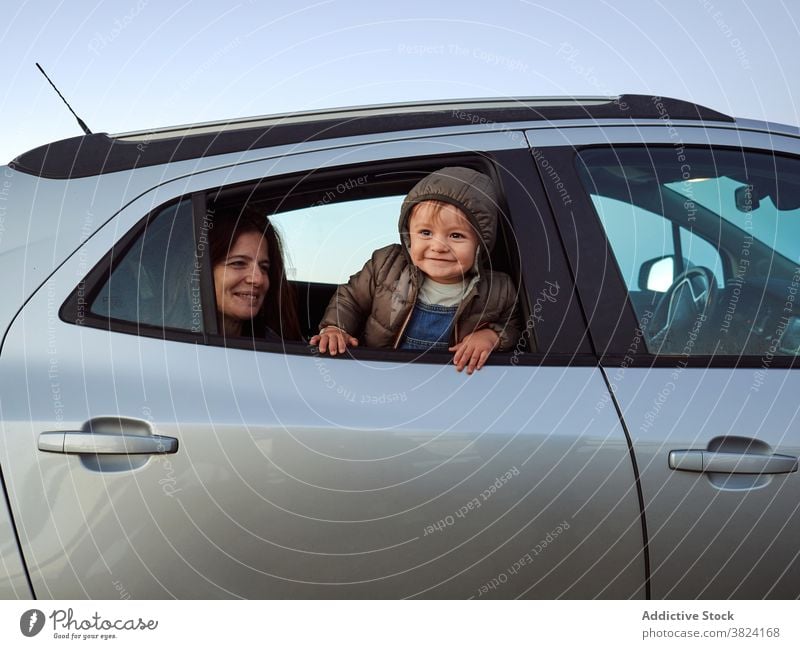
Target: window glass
x=157, y=281
x=760, y=217
x=730, y=224
x=327, y=243
x=635, y=234
x=700, y=252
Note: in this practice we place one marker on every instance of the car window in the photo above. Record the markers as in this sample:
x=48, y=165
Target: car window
x=328, y=242
x=156, y=276
x=708, y=245
x=157, y=280
x=330, y=227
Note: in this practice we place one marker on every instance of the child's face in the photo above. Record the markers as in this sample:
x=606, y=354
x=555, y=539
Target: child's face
x=443, y=243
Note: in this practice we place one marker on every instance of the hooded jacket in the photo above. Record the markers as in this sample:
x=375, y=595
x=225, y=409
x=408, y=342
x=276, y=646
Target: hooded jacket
x=375, y=306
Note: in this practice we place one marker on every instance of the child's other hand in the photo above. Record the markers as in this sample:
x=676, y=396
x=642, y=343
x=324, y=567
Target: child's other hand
x=473, y=351
x=333, y=341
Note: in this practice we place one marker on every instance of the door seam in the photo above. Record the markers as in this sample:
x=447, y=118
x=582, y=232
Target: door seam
x=637, y=482
x=22, y=559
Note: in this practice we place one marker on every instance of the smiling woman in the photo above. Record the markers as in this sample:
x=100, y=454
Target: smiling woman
x=252, y=295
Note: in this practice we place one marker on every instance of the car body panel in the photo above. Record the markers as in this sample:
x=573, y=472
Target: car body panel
x=710, y=535
x=356, y=495
x=713, y=536
x=295, y=494
x=13, y=580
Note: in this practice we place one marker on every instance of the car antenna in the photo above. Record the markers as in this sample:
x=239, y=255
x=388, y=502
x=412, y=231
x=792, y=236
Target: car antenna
x=81, y=123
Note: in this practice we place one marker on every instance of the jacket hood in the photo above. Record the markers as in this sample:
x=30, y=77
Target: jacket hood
x=470, y=191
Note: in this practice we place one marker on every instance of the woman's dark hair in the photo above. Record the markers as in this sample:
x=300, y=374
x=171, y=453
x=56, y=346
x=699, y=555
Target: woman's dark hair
x=279, y=312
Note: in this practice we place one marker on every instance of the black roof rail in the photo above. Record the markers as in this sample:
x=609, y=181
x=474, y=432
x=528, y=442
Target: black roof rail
x=100, y=153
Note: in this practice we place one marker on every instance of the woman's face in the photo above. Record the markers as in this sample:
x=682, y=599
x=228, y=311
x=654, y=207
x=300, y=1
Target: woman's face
x=241, y=281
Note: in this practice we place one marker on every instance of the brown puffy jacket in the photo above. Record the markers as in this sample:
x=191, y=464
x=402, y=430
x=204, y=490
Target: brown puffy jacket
x=376, y=304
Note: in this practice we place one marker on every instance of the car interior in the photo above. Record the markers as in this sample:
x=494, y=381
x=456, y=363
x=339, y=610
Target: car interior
x=721, y=282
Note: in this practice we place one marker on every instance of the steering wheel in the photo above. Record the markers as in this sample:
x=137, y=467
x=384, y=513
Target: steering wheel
x=681, y=310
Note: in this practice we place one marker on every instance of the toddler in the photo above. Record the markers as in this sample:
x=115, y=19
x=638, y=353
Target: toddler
x=431, y=291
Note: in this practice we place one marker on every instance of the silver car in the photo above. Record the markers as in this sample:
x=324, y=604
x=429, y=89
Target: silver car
x=640, y=441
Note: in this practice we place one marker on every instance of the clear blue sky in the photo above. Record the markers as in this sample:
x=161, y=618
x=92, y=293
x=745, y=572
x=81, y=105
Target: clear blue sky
x=136, y=64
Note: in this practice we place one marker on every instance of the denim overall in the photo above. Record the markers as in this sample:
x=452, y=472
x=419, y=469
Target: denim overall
x=429, y=327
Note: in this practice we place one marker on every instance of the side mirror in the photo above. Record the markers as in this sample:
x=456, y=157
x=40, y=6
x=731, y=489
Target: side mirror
x=657, y=274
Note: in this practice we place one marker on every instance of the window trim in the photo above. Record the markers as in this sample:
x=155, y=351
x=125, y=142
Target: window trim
x=497, y=359
x=207, y=296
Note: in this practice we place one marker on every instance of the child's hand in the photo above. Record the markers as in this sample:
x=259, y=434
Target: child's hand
x=333, y=340
x=473, y=351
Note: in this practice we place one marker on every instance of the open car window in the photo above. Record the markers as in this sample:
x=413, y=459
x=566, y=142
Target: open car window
x=332, y=221
x=326, y=243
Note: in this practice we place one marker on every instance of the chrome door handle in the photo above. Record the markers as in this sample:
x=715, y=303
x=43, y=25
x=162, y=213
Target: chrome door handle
x=84, y=443
x=711, y=462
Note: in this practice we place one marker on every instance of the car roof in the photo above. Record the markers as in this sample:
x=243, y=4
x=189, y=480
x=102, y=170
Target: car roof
x=101, y=153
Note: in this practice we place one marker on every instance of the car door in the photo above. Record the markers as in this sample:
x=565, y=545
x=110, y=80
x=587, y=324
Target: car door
x=145, y=458
x=684, y=244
